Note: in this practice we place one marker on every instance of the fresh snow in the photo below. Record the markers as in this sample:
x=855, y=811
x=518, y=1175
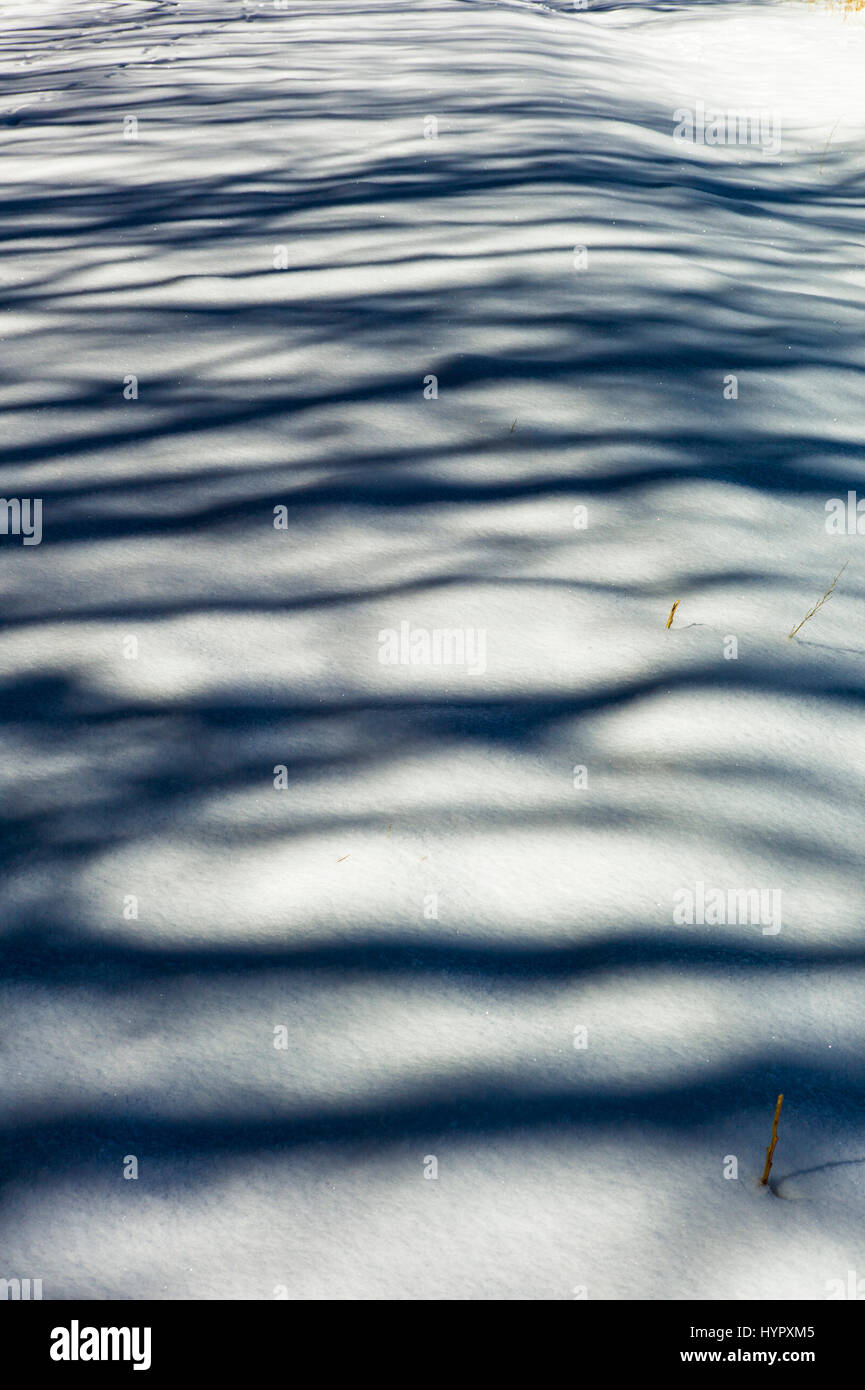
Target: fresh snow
x=417, y=789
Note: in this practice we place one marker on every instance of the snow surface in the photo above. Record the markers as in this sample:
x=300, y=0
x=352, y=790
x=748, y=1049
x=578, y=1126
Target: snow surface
x=299, y=1171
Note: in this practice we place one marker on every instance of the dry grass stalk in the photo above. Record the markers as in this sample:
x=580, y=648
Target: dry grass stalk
x=771, y=1149
x=819, y=604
